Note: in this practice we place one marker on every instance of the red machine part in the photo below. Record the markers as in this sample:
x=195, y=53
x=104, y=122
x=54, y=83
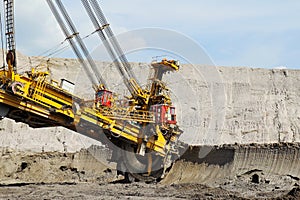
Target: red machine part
x=103, y=98
x=164, y=114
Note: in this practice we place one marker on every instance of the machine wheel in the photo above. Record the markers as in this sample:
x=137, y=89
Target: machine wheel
x=147, y=168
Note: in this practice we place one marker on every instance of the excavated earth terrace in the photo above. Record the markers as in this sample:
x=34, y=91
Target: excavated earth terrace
x=258, y=118
x=224, y=172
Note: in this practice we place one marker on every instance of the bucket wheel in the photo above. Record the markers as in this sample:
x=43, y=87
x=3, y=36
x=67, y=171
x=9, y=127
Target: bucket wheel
x=147, y=168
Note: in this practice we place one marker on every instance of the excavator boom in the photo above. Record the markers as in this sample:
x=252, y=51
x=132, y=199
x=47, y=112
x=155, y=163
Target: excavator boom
x=10, y=35
x=144, y=128
x=70, y=37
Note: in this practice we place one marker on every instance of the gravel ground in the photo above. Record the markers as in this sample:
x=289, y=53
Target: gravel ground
x=135, y=191
x=225, y=173
x=114, y=191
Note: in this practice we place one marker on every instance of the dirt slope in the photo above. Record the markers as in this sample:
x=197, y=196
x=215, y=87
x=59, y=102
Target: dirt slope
x=49, y=167
x=250, y=170
x=259, y=106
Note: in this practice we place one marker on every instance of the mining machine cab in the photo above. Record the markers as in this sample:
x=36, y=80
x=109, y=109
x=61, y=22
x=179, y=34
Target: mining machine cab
x=164, y=114
x=103, y=98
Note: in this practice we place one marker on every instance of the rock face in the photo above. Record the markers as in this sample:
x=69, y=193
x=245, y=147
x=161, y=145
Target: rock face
x=249, y=170
x=231, y=105
x=51, y=167
x=262, y=105
x=21, y=137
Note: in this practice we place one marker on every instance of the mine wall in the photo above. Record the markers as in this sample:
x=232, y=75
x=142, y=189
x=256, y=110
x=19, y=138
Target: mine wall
x=231, y=161
x=257, y=105
x=257, y=140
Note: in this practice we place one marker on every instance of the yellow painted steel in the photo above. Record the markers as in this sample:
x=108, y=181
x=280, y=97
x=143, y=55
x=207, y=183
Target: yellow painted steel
x=42, y=93
x=32, y=93
x=37, y=96
x=33, y=99
x=117, y=127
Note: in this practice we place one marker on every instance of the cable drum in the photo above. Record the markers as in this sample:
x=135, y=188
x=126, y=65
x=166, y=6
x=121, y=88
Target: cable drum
x=10, y=57
x=15, y=87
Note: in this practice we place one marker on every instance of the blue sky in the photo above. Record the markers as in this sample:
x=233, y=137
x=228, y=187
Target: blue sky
x=252, y=33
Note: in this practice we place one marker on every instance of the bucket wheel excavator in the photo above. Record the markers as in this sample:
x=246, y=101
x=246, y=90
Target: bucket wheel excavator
x=141, y=130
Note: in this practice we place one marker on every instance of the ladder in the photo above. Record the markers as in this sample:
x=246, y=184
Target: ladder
x=39, y=90
x=10, y=29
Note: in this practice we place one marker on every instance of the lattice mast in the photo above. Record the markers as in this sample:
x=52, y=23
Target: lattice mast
x=10, y=34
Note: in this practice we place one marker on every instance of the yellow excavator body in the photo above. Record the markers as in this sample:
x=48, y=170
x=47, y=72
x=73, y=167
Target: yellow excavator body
x=147, y=124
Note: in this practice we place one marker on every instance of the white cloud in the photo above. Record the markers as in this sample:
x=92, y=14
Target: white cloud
x=232, y=21
x=261, y=56
x=36, y=28
x=193, y=13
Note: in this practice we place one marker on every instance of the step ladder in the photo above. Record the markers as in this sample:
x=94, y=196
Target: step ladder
x=39, y=90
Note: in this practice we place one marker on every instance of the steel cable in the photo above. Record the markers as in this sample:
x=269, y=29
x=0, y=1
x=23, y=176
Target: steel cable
x=73, y=45
x=81, y=44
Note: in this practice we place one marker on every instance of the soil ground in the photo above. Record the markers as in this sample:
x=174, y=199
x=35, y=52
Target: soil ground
x=135, y=191
x=53, y=175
